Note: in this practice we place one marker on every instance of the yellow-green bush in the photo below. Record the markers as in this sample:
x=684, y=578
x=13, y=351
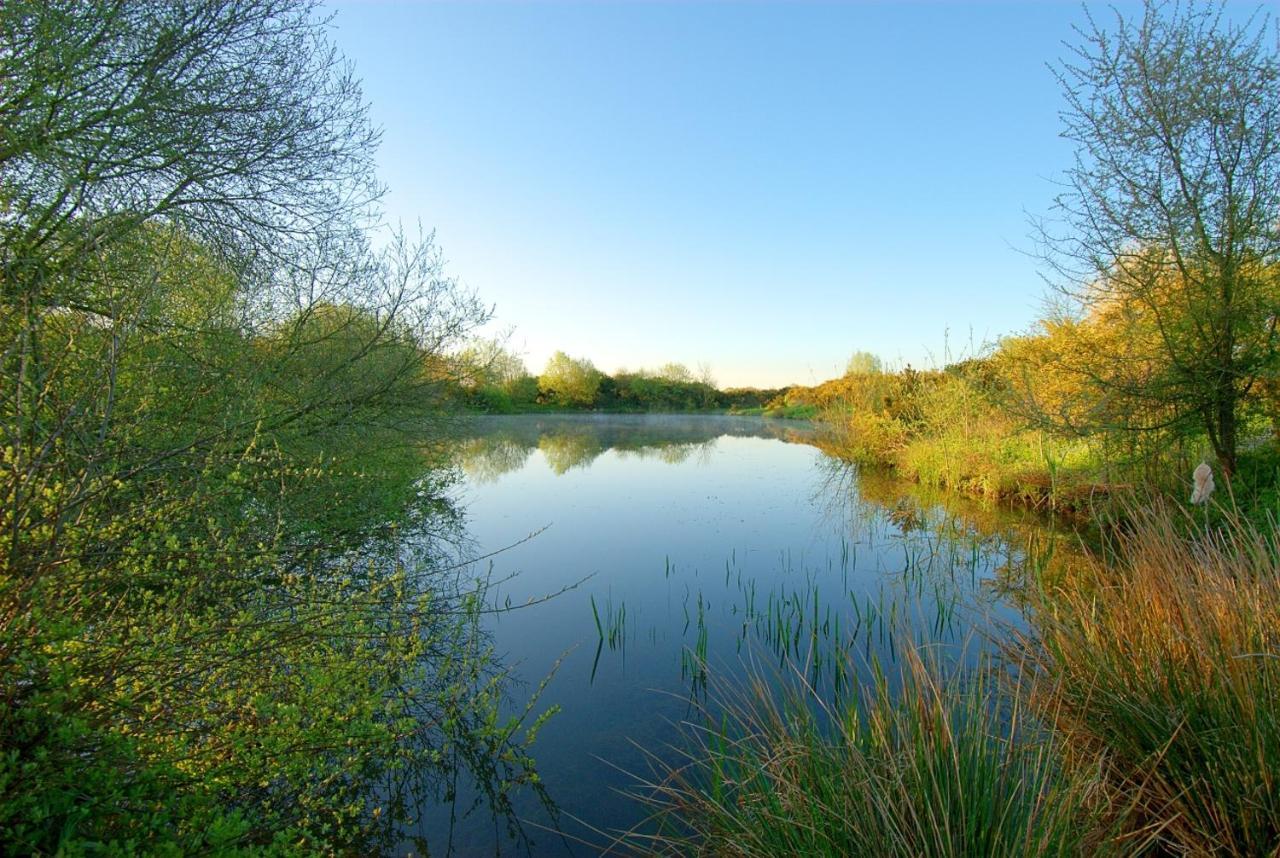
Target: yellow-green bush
x=1161, y=672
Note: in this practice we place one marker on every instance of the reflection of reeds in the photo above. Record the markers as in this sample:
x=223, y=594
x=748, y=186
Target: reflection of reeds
x=916, y=766
x=1144, y=718
x=613, y=628
x=693, y=660
x=1163, y=672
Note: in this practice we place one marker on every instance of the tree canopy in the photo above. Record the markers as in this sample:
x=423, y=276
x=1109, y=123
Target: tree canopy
x=1168, y=222
x=215, y=394
x=863, y=363
x=570, y=381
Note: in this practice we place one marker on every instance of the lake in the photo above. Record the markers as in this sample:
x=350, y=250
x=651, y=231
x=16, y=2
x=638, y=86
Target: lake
x=684, y=551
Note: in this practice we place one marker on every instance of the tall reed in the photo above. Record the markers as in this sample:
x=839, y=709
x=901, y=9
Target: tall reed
x=1160, y=669
x=913, y=766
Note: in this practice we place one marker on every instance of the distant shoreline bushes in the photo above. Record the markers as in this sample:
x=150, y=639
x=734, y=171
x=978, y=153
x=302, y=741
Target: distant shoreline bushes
x=951, y=429
x=1000, y=427
x=493, y=380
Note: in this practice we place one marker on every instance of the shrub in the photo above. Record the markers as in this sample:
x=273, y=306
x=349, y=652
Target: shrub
x=1162, y=671
x=914, y=767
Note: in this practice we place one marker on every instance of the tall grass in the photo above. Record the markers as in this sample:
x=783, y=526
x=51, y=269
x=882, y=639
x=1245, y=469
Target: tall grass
x=913, y=766
x=945, y=430
x=1143, y=720
x=1161, y=671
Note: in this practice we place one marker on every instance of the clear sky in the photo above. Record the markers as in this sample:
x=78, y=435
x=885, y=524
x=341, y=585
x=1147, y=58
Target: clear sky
x=762, y=187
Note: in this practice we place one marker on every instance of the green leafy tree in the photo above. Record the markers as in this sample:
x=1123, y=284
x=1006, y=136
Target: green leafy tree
x=863, y=363
x=488, y=362
x=570, y=382
x=213, y=405
x=675, y=372
x=495, y=378
x=1168, y=219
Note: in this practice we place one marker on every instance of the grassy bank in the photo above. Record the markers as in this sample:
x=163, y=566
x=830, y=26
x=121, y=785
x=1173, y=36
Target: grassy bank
x=781, y=412
x=914, y=767
x=948, y=429
x=1136, y=715
x=1161, y=673
x=963, y=429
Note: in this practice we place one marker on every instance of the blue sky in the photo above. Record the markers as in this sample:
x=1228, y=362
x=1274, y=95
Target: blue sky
x=765, y=188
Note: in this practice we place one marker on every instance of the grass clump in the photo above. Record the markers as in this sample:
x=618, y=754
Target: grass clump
x=949, y=429
x=791, y=412
x=1161, y=671
x=912, y=766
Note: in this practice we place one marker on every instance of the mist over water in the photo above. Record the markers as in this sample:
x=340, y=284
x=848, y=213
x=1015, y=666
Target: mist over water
x=696, y=550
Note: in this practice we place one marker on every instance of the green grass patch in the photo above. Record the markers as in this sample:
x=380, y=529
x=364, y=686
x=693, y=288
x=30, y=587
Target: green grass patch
x=913, y=766
x=792, y=412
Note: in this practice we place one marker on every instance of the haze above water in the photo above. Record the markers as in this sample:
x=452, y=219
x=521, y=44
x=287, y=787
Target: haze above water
x=697, y=549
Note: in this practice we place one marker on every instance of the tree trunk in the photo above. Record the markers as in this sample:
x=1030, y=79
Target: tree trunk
x=1224, y=431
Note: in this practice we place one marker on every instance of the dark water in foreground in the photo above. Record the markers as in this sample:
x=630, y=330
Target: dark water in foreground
x=697, y=547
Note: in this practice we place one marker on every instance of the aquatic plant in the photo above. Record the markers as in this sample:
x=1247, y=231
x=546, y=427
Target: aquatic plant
x=1161, y=671
x=920, y=764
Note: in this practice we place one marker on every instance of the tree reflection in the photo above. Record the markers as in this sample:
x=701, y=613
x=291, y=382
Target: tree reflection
x=567, y=450
x=494, y=446
x=1028, y=544
x=487, y=458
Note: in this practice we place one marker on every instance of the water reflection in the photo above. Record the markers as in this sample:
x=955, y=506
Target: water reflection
x=710, y=542
x=499, y=445
x=487, y=458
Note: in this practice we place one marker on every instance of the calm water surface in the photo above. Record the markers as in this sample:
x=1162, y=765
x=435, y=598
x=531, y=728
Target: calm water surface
x=696, y=549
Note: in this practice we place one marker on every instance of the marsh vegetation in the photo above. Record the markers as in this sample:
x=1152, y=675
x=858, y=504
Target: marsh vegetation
x=276, y=579
x=775, y=558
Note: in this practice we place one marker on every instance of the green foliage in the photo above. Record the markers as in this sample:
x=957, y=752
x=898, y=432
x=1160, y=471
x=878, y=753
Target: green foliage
x=523, y=391
x=953, y=429
x=189, y=655
x=917, y=766
x=792, y=412
x=1165, y=228
x=1255, y=487
x=224, y=625
x=493, y=400
x=488, y=363
x=672, y=388
x=493, y=379
x=575, y=384
x=675, y=372
x=569, y=382
x=863, y=363
x=742, y=400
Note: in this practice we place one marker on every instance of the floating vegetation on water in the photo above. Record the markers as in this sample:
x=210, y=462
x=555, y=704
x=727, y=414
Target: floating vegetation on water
x=613, y=628
x=693, y=661
x=823, y=617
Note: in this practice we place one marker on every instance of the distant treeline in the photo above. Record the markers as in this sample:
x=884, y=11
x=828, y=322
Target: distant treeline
x=496, y=381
